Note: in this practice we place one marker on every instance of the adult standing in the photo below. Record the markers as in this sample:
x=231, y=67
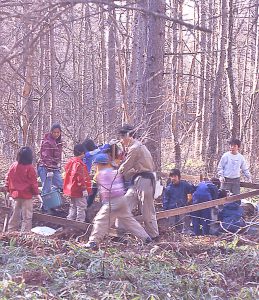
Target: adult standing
x=138, y=167
x=50, y=160
x=229, y=167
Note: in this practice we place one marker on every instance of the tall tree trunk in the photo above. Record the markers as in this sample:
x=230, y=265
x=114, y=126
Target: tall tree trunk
x=254, y=133
x=154, y=78
x=214, y=128
x=232, y=94
x=112, y=107
x=200, y=101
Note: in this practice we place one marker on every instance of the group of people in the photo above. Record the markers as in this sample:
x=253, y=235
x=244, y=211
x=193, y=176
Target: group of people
x=125, y=181
x=179, y=193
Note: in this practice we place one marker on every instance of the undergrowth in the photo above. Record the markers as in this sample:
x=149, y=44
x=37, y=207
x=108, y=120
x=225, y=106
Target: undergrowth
x=39, y=268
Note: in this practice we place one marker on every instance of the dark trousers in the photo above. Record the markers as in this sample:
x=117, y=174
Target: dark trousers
x=201, y=218
x=91, y=197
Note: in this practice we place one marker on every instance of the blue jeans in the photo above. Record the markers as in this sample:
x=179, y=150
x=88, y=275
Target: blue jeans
x=48, y=182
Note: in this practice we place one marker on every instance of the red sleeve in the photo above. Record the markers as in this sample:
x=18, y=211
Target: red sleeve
x=34, y=183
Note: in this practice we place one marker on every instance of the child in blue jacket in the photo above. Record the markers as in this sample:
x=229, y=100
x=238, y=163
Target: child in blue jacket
x=205, y=191
x=175, y=195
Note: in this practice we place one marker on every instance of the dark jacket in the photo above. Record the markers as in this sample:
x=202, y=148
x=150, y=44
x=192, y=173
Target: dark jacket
x=176, y=195
x=205, y=191
x=50, y=152
x=21, y=181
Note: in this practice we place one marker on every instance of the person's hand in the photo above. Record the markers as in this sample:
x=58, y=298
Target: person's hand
x=39, y=198
x=113, y=142
x=85, y=193
x=50, y=174
x=222, y=179
x=9, y=199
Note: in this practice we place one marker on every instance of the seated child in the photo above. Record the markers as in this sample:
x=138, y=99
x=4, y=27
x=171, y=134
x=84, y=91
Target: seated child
x=111, y=188
x=77, y=184
x=21, y=184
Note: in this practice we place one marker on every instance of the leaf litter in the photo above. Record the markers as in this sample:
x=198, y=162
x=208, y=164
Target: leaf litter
x=175, y=267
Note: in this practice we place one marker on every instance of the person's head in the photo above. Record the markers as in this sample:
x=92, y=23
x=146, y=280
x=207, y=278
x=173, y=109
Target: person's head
x=215, y=181
x=127, y=133
x=101, y=160
x=55, y=131
x=175, y=176
x=234, y=145
x=89, y=145
x=24, y=156
x=79, y=150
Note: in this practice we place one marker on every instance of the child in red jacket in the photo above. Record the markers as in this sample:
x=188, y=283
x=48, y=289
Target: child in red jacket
x=77, y=184
x=21, y=184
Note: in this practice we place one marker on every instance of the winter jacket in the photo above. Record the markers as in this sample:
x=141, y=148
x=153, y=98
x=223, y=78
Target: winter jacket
x=76, y=178
x=50, y=152
x=110, y=184
x=21, y=181
x=205, y=191
x=231, y=217
x=90, y=155
x=175, y=195
x=138, y=160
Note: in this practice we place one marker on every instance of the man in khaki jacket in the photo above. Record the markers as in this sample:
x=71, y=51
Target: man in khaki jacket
x=138, y=167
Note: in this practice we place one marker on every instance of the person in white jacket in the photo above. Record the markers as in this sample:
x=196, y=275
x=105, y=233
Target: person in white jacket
x=230, y=166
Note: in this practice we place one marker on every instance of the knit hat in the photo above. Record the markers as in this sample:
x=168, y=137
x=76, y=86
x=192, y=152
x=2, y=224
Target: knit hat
x=54, y=126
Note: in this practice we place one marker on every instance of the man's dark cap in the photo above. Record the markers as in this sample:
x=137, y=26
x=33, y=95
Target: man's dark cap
x=126, y=128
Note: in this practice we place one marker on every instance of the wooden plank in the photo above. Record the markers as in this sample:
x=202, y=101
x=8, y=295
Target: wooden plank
x=249, y=185
x=209, y=204
x=62, y=221
x=160, y=215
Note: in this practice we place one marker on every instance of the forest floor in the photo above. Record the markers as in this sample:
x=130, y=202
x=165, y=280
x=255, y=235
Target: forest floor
x=176, y=266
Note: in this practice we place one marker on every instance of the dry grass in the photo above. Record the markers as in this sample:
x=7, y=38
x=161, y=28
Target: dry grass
x=177, y=267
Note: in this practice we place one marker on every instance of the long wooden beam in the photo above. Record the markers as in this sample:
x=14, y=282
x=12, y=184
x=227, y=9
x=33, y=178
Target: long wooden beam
x=249, y=185
x=61, y=221
x=196, y=207
x=160, y=215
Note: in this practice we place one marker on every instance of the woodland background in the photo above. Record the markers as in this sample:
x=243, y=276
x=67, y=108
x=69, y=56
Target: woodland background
x=185, y=72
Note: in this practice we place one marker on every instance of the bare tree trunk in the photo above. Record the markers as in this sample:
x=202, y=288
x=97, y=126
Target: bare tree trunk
x=232, y=94
x=154, y=79
x=214, y=128
x=200, y=101
x=206, y=109
x=112, y=107
x=254, y=133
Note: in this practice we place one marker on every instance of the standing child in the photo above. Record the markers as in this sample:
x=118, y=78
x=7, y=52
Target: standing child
x=229, y=167
x=77, y=184
x=111, y=188
x=177, y=194
x=21, y=183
